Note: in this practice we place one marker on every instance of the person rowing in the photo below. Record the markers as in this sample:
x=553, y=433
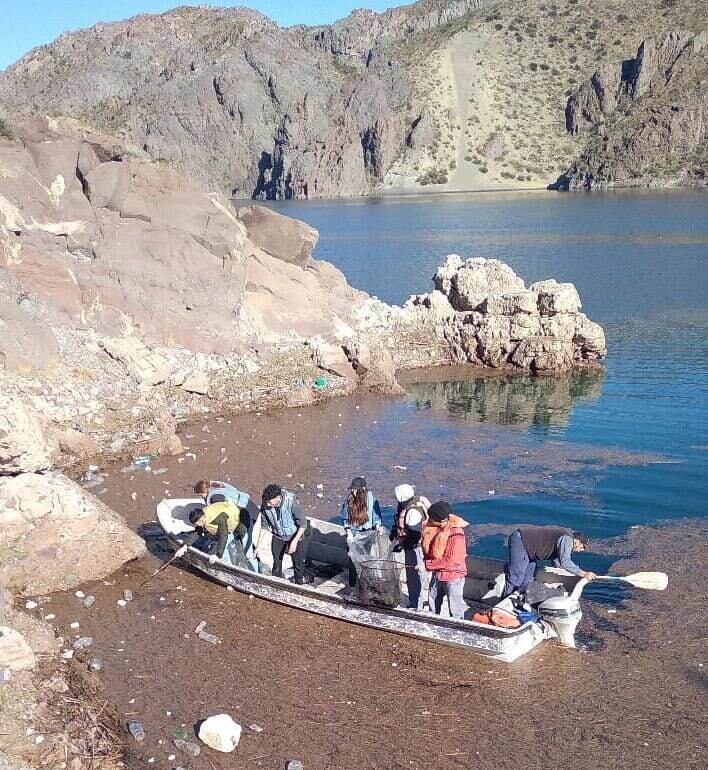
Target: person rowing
x=528, y=545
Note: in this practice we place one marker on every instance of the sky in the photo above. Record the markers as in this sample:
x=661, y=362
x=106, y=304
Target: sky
x=25, y=24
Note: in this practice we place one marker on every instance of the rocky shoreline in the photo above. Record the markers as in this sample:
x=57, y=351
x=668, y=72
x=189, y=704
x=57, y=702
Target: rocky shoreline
x=131, y=302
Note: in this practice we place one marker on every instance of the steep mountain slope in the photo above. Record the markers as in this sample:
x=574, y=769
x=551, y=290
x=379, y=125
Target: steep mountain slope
x=647, y=118
x=461, y=94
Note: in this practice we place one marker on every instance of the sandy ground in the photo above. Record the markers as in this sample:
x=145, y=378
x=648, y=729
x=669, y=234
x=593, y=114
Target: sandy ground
x=341, y=697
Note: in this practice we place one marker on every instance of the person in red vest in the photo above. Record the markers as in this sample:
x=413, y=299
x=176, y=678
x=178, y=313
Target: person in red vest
x=445, y=553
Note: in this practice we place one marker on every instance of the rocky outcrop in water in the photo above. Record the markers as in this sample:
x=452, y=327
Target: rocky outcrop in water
x=482, y=313
x=647, y=118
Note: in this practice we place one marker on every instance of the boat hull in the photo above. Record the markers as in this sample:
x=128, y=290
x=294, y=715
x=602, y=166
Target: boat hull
x=492, y=641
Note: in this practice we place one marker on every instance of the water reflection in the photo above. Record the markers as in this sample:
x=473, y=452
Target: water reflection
x=514, y=399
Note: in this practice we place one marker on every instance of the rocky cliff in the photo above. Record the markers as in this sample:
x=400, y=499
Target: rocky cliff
x=646, y=118
x=129, y=299
x=453, y=94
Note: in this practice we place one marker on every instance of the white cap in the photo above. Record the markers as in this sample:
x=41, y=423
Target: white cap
x=404, y=492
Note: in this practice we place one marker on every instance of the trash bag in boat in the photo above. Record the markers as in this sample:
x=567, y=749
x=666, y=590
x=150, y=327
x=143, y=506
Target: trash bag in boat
x=364, y=546
x=379, y=582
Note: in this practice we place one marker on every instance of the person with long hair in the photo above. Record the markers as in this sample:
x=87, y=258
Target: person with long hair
x=361, y=513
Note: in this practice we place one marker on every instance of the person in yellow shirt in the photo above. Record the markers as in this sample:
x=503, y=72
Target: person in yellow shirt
x=222, y=521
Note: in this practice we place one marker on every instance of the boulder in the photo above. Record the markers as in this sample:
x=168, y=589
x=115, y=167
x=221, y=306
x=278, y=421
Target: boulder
x=196, y=382
x=481, y=313
x=15, y=653
x=143, y=362
x=554, y=297
x=24, y=446
x=55, y=534
x=282, y=237
x=108, y=184
x=220, y=733
x=478, y=278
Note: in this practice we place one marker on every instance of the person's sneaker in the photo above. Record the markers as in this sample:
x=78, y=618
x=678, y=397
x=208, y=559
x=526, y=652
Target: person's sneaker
x=302, y=579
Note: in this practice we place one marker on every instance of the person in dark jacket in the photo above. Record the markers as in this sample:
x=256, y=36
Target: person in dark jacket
x=529, y=545
x=284, y=517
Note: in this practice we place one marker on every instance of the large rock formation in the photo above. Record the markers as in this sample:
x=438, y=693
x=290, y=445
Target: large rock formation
x=482, y=313
x=427, y=93
x=648, y=117
x=56, y=535
x=155, y=300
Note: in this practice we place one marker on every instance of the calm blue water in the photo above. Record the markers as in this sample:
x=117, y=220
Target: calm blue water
x=640, y=262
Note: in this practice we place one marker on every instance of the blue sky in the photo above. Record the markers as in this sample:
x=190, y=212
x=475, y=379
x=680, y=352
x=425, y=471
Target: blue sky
x=25, y=24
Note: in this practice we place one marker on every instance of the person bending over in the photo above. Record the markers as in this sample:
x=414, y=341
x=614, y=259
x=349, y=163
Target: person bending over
x=284, y=518
x=445, y=552
x=529, y=545
x=219, y=491
x=221, y=520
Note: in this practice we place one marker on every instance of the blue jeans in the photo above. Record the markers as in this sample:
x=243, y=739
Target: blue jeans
x=519, y=569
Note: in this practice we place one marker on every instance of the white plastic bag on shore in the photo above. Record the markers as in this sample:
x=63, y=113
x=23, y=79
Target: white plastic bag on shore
x=220, y=733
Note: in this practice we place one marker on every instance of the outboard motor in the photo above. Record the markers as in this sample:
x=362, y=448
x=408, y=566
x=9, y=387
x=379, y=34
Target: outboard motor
x=563, y=613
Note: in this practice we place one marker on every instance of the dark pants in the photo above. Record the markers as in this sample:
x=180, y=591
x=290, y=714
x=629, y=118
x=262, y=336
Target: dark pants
x=519, y=569
x=300, y=557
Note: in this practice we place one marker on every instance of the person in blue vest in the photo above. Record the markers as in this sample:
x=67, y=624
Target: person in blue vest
x=284, y=517
x=219, y=492
x=361, y=512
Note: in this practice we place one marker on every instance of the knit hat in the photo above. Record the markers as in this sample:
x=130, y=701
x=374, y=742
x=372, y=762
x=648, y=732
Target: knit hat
x=358, y=483
x=440, y=511
x=404, y=492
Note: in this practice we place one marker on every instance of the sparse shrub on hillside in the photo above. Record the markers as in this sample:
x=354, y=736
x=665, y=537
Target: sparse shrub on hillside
x=433, y=176
x=533, y=66
x=5, y=130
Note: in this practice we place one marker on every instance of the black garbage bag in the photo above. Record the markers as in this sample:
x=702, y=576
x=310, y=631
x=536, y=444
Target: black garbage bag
x=379, y=582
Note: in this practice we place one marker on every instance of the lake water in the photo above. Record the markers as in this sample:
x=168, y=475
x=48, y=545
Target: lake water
x=640, y=263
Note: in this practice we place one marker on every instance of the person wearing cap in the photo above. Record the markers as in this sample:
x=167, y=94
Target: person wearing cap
x=219, y=492
x=406, y=535
x=361, y=513
x=528, y=545
x=445, y=552
x=283, y=516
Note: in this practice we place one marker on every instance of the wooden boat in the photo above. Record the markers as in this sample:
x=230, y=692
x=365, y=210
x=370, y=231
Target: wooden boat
x=331, y=596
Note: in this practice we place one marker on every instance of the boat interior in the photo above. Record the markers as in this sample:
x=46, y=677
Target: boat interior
x=329, y=554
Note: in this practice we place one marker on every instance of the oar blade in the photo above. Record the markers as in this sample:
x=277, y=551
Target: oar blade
x=651, y=581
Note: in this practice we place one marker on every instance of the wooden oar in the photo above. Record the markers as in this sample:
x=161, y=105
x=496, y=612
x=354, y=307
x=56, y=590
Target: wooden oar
x=180, y=552
x=652, y=581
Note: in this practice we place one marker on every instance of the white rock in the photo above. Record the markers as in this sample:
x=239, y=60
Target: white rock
x=220, y=733
x=30, y=605
x=15, y=653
